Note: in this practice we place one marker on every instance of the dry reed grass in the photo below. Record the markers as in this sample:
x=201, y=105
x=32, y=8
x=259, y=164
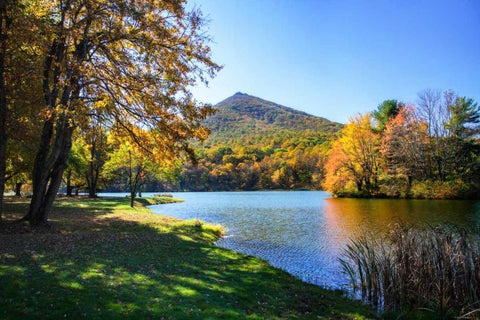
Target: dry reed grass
x=435, y=269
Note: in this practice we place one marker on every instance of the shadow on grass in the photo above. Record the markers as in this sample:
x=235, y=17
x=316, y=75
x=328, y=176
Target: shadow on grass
x=117, y=266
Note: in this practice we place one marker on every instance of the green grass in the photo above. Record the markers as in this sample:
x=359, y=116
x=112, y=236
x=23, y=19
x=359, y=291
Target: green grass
x=104, y=260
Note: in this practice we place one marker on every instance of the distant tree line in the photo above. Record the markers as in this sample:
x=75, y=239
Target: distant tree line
x=294, y=161
x=296, y=164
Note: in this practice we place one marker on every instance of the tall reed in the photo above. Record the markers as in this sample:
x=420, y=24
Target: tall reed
x=437, y=268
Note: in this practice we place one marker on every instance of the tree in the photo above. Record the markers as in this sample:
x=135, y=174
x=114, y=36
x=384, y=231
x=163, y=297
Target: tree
x=405, y=146
x=464, y=119
x=19, y=65
x=127, y=160
x=451, y=121
x=95, y=137
x=433, y=108
x=128, y=63
x=463, y=144
x=4, y=26
x=355, y=157
x=74, y=174
x=387, y=110
x=340, y=171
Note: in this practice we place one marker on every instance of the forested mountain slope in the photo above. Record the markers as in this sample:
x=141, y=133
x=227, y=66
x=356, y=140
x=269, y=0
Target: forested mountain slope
x=245, y=119
x=256, y=145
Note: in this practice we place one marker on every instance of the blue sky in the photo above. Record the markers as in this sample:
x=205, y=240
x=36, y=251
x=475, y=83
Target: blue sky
x=336, y=58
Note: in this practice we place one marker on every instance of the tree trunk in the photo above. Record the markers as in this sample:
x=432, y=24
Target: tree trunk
x=61, y=89
x=3, y=101
x=48, y=171
x=52, y=190
x=18, y=189
x=132, y=198
x=359, y=184
x=48, y=151
x=92, y=180
x=3, y=144
x=69, y=183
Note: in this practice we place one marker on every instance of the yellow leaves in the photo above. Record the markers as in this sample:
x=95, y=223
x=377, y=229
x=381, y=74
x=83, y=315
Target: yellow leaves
x=46, y=113
x=355, y=156
x=128, y=62
x=202, y=133
x=104, y=103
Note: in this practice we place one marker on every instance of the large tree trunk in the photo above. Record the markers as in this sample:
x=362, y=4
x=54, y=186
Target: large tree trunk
x=40, y=173
x=3, y=138
x=56, y=139
x=50, y=163
x=3, y=101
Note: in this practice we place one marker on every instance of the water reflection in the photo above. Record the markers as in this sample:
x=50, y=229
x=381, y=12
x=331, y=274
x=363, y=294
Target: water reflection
x=305, y=232
x=349, y=218
x=377, y=214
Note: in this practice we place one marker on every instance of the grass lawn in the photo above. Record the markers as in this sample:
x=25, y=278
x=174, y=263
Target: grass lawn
x=102, y=259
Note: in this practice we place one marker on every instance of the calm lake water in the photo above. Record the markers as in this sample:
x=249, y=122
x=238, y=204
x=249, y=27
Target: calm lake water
x=304, y=232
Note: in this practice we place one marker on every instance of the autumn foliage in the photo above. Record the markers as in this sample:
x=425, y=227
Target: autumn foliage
x=414, y=154
x=353, y=163
x=125, y=65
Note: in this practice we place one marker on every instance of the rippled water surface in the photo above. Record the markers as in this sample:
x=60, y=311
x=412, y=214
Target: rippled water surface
x=304, y=232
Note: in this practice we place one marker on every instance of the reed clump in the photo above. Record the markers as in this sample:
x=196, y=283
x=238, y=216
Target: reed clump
x=437, y=269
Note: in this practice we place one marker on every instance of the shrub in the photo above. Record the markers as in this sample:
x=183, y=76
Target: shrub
x=393, y=186
x=439, y=190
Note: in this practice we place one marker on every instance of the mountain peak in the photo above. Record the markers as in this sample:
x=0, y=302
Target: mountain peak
x=249, y=116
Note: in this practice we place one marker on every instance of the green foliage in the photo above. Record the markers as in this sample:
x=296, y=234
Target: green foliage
x=436, y=189
x=464, y=118
x=387, y=110
x=74, y=175
x=394, y=186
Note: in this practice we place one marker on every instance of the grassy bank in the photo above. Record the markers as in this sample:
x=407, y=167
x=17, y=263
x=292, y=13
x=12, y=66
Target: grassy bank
x=104, y=260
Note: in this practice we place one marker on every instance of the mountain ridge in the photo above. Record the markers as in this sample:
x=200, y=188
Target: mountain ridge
x=240, y=95
x=242, y=116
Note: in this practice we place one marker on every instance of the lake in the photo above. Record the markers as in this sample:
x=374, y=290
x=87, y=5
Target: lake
x=304, y=232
